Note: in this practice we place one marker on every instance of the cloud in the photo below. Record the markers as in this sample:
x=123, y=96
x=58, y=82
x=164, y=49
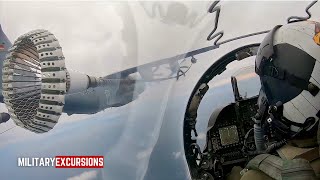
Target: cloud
x=87, y=175
x=144, y=154
x=177, y=155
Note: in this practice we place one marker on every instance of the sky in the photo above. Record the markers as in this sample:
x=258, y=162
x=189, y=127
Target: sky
x=99, y=38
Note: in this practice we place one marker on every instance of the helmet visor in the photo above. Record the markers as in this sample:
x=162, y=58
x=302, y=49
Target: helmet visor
x=278, y=90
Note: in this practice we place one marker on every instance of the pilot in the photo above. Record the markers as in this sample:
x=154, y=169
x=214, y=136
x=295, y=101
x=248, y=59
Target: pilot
x=288, y=64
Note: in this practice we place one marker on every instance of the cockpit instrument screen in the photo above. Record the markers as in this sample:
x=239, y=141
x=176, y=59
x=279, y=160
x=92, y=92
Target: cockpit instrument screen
x=228, y=135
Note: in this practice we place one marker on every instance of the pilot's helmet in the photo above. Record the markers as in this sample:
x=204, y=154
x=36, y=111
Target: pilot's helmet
x=288, y=63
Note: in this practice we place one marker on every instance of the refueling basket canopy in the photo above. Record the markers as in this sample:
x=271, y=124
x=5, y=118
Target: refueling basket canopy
x=35, y=81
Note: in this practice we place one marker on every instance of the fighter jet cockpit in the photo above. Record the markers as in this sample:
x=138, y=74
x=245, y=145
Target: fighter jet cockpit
x=252, y=119
x=243, y=123
x=229, y=129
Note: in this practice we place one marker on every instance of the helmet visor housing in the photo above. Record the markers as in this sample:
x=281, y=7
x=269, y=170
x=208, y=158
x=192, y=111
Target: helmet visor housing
x=284, y=69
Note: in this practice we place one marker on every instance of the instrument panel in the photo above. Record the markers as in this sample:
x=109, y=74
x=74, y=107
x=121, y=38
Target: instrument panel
x=226, y=137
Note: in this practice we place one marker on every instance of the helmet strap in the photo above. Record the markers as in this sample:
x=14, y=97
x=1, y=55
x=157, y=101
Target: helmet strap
x=279, y=125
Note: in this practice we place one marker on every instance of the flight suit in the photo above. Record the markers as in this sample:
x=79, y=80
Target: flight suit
x=294, y=162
